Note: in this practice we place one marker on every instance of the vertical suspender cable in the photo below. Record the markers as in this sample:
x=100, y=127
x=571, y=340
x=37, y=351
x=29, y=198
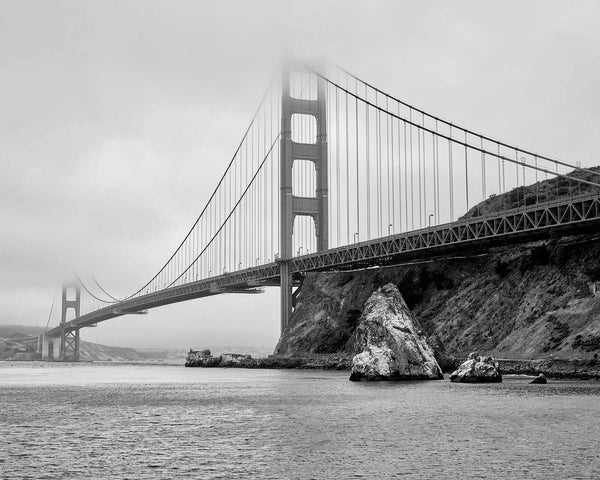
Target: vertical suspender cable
x=420, y=192
x=517, y=176
x=357, y=173
x=435, y=175
x=423, y=135
x=412, y=177
x=265, y=240
x=368, y=148
x=483, y=175
x=347, y=171
x=499, y=172
x=537, y=185
x=503, y=172
x=466, y=174
x=399, y=176
x=405, y=177
x=392, y=176
x=451, y=176
x=272, y=183
x=337, y=164
x=379, y=170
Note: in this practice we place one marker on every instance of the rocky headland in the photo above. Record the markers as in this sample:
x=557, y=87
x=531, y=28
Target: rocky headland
x=535, y=306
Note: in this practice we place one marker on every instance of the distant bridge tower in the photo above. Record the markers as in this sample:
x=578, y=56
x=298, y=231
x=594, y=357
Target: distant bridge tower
x=292, y=205
x=69, y=341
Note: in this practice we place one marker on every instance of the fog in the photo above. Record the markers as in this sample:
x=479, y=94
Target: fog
x=118, y=118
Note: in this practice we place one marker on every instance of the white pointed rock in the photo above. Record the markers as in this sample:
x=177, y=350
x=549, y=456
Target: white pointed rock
x=389, y=342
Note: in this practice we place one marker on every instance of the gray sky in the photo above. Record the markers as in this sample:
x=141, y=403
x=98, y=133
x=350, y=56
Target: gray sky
x=118, y=117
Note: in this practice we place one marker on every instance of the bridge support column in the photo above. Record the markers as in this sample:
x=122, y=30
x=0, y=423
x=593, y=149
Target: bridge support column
x=69, y=346
x=286, y=294
x=291, y=205
x=69, y=339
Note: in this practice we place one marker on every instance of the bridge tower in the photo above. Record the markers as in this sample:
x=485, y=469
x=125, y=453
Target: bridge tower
x=69, y=340
x=292, y=205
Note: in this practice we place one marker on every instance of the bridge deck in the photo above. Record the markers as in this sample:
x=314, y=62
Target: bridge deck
x=564, y=216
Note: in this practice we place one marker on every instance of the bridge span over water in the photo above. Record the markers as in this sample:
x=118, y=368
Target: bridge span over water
x=336, y=175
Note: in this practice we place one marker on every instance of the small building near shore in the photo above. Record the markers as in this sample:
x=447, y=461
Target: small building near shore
x=200, y=353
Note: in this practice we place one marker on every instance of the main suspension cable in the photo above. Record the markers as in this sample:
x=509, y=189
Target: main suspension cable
x=463, y=144
x=208, y=203
x=470, y=132
x=90, y=293
x=231, y=212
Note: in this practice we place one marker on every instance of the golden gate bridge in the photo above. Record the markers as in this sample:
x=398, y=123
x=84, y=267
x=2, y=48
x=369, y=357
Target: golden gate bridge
x=332, y=173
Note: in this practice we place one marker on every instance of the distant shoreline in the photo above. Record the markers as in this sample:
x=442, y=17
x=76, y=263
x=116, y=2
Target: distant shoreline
x=551, y=368
x=573, y=369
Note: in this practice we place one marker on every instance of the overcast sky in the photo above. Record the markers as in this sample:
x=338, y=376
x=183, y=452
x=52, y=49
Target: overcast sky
x=118, y=117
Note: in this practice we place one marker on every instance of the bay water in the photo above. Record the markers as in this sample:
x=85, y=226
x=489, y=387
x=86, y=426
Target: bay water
x=165, y=421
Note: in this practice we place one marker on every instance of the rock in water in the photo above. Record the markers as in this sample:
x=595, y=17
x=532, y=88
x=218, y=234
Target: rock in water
x=389, y=342
x=201, y=358
x=541, y=378
x=477, y=370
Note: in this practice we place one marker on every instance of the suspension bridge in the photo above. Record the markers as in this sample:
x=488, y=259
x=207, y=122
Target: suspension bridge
x=332, y=173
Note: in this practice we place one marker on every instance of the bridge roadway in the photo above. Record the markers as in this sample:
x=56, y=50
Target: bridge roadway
x=564, y=216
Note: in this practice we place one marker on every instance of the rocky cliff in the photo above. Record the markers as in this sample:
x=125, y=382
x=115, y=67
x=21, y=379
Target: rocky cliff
x=535, y=300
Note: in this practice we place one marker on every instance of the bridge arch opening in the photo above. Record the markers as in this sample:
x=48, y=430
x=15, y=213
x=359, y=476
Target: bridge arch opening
x=71, y=294
x=304, y=179
x=70, y=314
x=303, y=85
x=304, y=235
x=304, y=128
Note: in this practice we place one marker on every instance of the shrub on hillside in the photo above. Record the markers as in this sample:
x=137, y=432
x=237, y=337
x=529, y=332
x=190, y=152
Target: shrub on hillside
x=501, y=268
x=589, y=343
x=536, y=256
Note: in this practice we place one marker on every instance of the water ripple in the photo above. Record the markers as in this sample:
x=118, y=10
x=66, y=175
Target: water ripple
x=148, y=422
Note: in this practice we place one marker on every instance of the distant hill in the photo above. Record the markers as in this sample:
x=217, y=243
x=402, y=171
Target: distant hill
x=12, y=341
x=16, y=331
x=11, y=335
x=95, y=352
x=543, y=191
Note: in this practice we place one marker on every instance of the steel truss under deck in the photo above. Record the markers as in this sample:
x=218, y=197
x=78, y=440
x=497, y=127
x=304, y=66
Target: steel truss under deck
x=510, y=225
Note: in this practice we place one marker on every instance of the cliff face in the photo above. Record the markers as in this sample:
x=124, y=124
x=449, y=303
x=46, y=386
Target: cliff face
x=528, y=301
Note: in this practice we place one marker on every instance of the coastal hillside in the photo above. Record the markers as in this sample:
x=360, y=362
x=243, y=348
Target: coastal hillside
x=535, y=300
x=15, y=339
x=21, y=339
